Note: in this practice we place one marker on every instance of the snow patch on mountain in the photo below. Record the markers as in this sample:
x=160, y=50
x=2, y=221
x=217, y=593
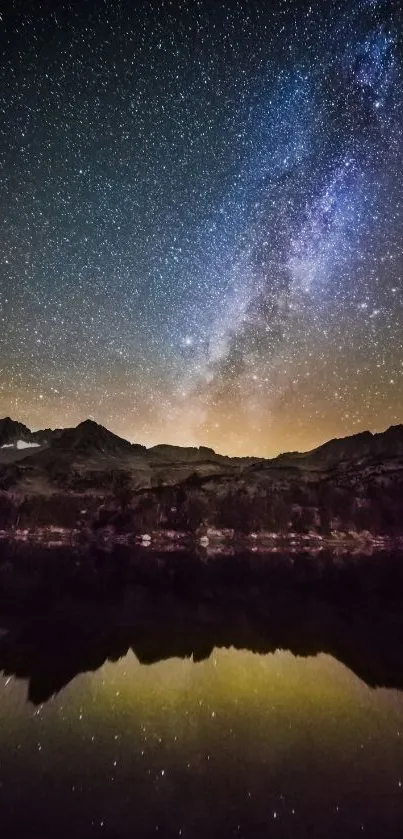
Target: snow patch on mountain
x=21, y=444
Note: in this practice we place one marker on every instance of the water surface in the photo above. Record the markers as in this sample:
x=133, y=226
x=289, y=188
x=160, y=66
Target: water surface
x=151, y=712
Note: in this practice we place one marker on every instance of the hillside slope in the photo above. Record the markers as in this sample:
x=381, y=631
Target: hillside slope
x=89, y=476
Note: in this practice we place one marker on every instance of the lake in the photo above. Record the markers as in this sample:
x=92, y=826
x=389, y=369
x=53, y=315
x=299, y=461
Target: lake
x=227, y=713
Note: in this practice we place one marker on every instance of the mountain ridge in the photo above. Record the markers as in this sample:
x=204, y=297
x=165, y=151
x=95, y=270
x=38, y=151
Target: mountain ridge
x=348, y=484
x=89, y=432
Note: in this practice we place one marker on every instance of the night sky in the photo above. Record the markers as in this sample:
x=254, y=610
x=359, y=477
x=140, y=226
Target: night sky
x=201, y=235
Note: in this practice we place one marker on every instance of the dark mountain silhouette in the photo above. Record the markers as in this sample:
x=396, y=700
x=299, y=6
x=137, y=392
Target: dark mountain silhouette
x=89, y=438
x=387, y=443
x=353, y=484
x=189, y=454
x=11, y=431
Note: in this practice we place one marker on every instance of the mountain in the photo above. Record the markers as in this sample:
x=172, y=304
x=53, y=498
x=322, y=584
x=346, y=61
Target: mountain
x=11, y=432
x=189, y=454
x=388, y=443
x=346, y=485
x=89, y=439
x=385, y=444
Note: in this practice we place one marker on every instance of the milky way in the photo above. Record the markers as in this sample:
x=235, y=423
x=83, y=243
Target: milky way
x=202, y=219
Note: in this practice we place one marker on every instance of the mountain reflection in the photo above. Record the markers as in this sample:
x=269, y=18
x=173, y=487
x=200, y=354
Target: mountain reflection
x=48, y=644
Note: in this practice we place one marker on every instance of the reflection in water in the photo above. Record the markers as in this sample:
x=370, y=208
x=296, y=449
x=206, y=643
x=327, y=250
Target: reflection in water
x=240, y=744
x=50, y=645
x=224, y=714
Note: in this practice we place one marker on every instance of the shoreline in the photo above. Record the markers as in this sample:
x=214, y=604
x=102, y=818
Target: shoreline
x=213, y=542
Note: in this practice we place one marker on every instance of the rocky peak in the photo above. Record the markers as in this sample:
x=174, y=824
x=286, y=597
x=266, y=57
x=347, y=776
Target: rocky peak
x=90, y=437
x=11, y=432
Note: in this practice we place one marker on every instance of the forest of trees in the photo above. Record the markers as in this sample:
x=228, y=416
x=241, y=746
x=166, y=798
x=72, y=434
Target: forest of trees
x=232, y=506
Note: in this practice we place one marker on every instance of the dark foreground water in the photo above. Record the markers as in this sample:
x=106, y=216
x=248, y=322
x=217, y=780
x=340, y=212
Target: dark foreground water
x=225, y=713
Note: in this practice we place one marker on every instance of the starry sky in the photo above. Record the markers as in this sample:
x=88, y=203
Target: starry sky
x=202, y=219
